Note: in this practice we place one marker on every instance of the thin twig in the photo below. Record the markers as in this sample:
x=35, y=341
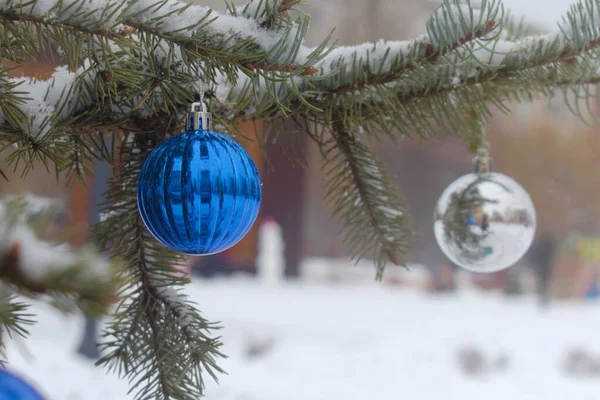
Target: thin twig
x=283, y=8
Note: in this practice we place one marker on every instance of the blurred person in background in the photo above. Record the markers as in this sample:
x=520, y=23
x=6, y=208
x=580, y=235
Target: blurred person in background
x=85, y=200
x=542, y=256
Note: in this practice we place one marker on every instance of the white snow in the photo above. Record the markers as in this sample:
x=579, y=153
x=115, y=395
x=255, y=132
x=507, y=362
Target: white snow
x=456, y=80
x=35, y=204
x=104, y=215
x=47, y=9
x=45, y=98
x=494, y=54
x=350, y=342
x=177, y=301
x=38, y=259
x=36, y=109
x=185, y=15
x=379, y=55
x=163, y=17
x=390, y=211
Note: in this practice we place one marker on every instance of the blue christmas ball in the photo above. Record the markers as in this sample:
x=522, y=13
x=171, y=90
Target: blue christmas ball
x=199, y=192
x=14, y=388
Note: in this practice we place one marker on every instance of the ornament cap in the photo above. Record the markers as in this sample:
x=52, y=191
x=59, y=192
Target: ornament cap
x=198, y=117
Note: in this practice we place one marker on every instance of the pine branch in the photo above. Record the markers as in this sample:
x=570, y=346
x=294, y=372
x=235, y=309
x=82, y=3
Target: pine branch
x=283, y=7
x=14, y=319
x=452, y=35
x=41, y=20
x=37, y=267
x=199, y=31
x=500, y=62
x=158, y=341
x=269, y=14
x=353, y=70
x=556, y=68
x=374, y=94
x=452, y=94
x=404, y=57
x=374, y=216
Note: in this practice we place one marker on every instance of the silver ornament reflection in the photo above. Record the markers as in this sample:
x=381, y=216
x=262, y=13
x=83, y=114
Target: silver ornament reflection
x=484, y=222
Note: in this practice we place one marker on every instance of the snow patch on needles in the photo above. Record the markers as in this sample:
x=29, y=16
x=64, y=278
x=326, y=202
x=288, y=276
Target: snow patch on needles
x=379, y=55
x=493, y=54
x=164, y=17
x=497, y=53
x=67, y=12
x=177, y=302
x=257, y=9
x=38, y=112
x=38, y=260
x=390, y=211
x=34, y=205
x=185, y=16
x=49, y=98
x=151, y=13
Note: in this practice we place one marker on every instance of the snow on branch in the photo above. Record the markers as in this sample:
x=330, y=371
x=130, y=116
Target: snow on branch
x=32, y=205
x=455, y=22
x=266, y=12
x=38, y=266
x=43, y=102
x=177, y=303
x=458, y=37
x=471, y=60
x=451, y=26
x=464, y=39
x=351, y=68
x=195, y=28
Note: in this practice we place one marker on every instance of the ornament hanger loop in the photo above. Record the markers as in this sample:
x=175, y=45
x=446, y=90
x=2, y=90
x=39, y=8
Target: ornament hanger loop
x=483, y=163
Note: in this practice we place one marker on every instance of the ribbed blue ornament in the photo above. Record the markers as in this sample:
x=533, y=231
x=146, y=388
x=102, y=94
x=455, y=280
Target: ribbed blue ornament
x=199, y=192
x=14, y=388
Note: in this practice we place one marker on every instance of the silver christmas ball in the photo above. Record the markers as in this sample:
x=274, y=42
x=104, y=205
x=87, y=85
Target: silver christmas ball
x=484, y=222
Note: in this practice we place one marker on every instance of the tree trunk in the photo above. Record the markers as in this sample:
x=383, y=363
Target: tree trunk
x=284, y=193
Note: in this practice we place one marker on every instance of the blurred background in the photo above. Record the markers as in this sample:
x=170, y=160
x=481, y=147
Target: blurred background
x=302, y=322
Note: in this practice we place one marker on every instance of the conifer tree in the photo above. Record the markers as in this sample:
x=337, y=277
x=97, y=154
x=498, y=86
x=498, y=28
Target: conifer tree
x=132, y=67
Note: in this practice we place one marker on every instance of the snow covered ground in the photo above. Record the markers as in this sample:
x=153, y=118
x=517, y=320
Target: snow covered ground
x=348, y=341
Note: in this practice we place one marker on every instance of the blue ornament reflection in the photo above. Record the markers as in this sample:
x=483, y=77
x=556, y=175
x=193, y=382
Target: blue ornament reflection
x=199, y=192
x=14, y=388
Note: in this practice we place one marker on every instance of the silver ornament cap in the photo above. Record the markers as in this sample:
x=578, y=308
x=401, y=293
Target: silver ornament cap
x=198, y=118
